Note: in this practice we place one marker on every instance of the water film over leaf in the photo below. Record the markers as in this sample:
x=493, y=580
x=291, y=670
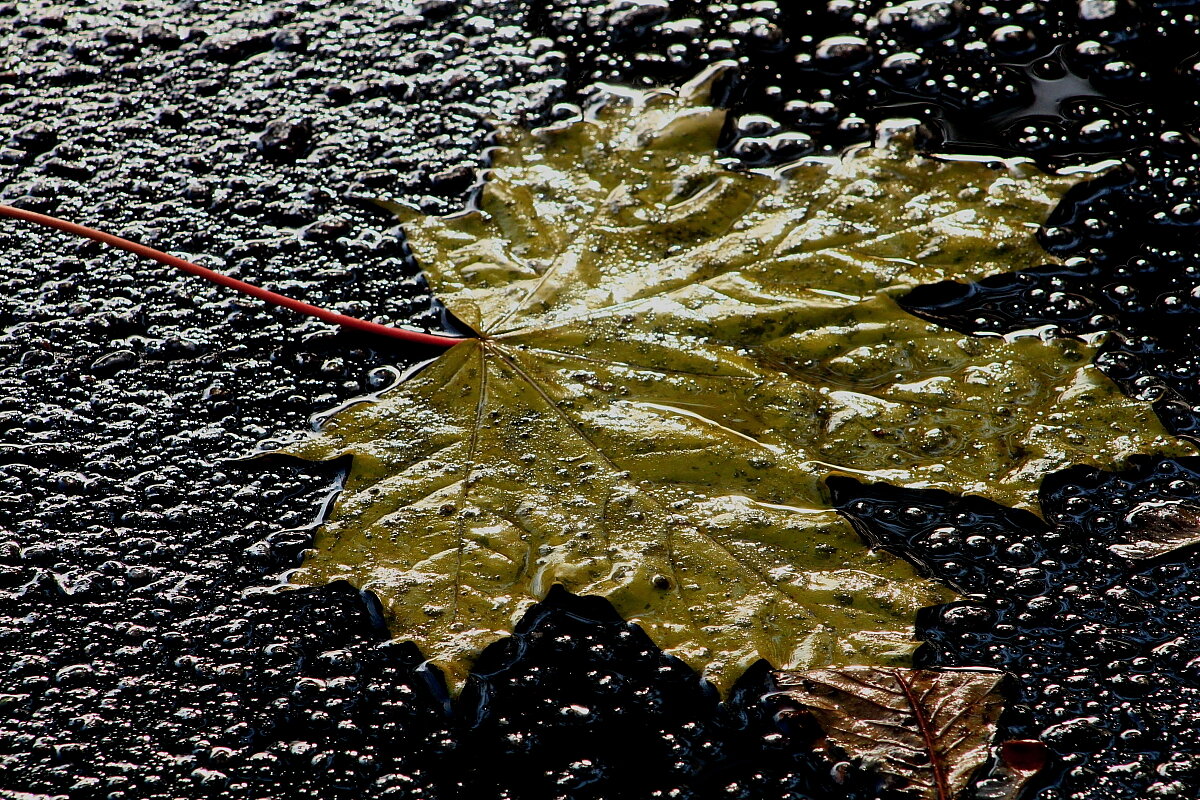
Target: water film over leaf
x=671, y=357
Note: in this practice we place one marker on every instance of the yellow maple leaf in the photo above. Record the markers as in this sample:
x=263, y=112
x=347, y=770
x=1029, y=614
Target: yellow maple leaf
x=670, y=358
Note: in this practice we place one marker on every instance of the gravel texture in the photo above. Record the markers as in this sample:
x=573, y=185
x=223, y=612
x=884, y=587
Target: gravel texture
x=141, y=660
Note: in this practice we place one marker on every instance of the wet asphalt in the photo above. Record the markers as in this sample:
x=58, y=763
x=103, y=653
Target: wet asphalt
x=145, y=654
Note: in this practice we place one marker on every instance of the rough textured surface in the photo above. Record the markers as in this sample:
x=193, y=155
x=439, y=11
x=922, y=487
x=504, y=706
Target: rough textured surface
x=137, y=666
x=1063, y=81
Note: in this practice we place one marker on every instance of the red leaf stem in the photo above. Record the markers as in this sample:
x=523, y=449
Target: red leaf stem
x=417, y=337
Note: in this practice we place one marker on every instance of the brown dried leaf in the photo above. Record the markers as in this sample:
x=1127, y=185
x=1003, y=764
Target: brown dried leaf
x=1158, y=529
x=927, y=730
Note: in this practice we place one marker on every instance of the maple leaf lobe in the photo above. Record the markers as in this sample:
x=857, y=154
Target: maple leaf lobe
x=673, y=357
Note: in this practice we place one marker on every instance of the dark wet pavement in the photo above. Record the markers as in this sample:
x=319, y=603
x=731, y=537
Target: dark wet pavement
x=143, y=657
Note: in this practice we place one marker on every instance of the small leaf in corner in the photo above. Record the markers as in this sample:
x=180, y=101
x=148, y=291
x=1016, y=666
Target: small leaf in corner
x=926, y=732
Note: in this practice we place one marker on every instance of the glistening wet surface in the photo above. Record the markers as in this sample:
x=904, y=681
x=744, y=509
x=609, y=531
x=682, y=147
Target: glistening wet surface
x=138, y=664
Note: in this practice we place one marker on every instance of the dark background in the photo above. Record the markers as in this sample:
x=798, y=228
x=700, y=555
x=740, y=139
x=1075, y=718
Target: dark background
x=143, y=653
